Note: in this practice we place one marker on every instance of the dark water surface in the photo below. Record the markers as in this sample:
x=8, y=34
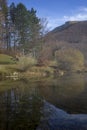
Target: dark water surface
x=44, y=104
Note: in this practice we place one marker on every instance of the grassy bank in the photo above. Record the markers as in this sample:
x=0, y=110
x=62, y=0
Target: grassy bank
x=27, y=66
x=24, y=67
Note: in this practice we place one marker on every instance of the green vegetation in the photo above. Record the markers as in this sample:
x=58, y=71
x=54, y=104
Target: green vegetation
x=26, y=66
x=5, y=63
x=24, y=38
x=21, y=27
x=5, y=59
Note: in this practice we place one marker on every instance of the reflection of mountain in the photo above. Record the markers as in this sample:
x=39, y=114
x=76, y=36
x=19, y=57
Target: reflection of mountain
x=26, y=110
x=67, y=86
x=57, y=119
x=67, y=93
x=22, y=106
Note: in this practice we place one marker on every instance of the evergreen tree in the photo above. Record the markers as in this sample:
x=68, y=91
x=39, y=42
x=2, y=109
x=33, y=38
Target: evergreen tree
x=27, y=26
x=19, y=28
x=14, y=33
x=3, y=22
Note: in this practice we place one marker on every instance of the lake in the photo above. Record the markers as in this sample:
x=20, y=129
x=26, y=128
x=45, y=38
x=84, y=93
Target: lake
x=57, y=103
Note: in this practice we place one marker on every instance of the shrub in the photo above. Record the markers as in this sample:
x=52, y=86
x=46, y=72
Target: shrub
x=25, y=62
x=70, y=59
x=45, y=56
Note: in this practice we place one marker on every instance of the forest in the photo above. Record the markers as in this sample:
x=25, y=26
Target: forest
x=21, y=29
x=25, y=46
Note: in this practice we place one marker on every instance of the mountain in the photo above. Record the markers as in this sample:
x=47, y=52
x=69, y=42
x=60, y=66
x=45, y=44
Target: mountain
x=71, y=34
x=71, y=31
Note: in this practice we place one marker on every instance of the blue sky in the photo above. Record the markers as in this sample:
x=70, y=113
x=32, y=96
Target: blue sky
x=57, y=11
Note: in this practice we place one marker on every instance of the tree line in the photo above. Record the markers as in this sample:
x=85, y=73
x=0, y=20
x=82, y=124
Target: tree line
x=20, y=28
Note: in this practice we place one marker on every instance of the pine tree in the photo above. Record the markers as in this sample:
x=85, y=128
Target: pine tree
x=3, y=16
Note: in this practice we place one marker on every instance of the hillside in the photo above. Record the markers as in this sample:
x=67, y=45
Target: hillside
x=71, y=34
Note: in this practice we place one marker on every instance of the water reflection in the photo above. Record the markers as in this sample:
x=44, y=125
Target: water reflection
x=68, y=93
x=20, y=108
x=22, y=101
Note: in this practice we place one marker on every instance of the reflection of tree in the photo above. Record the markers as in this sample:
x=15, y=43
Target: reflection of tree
x=64, y=92
x=21, y=104
x=67, y=86
x=20, y=110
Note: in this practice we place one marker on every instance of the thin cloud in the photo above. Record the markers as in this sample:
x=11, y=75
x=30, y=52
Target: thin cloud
x=83, y=9
x=79, y=15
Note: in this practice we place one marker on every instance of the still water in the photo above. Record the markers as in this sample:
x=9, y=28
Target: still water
x=35, y=104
